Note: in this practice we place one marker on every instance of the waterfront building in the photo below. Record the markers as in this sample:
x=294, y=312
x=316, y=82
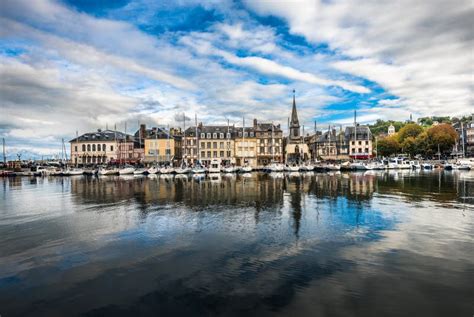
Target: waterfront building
x=246, y=147
x=296, y=150
x=329, y=145
x=191, y=144
x=102, y=147
x=269, y=142
x=162, y=145
x=216, y=142
x=469, y=143
x=359, y=142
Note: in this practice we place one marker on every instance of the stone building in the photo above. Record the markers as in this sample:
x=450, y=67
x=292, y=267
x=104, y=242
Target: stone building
x=296, y=150
x=359, y=141
x=102, y=147
x=330, y=145
x=269, y=142
x=216, y=142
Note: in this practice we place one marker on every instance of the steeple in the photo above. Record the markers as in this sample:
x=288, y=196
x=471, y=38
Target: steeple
x=294, y=115
x=294, y=123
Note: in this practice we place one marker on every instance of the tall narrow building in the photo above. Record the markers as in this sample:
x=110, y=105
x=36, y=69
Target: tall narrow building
x=296, y=151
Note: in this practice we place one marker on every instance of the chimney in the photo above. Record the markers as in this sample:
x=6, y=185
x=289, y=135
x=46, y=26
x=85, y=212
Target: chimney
x=142, y=130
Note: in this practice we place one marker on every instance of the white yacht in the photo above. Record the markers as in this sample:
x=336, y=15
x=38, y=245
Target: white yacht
x=275, y=167
x=109, y=171
x=126, y=170
x=215, y=166
x=359, y=166
x=140, y=171
x=292, y=168
x=153, y=170
x=306, y=168
x=246, y=169
x=184, y=169
x=415, y=165
x=73, y=171
x=229, y=169
x=167, y=170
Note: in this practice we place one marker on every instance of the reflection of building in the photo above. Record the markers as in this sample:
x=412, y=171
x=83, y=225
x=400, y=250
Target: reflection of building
x=246, y=147
x=359, y=141
x=162, y=145
x=269, y=142
x=102, y=147
x=296, y=150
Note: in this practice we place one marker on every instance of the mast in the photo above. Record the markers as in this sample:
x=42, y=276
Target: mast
x=197, y=140
x=156, y=144
x=462, y=135
x=355, y=133
x=4, y=155
x=168, y=148
x=243, y=140
x=184, y=134
x=77, y=140
x=273, y=152
x=124, y=145
x=115, y=140
x=228, y=142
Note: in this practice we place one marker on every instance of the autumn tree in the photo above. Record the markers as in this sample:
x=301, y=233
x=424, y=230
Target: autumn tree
x=388, y=146
x=442, y=135
x=409, y=146
x=409, y=130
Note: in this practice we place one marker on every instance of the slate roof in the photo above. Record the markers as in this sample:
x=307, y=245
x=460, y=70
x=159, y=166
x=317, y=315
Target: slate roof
x=105, y=135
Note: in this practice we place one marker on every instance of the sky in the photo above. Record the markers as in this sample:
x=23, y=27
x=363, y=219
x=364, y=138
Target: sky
x=68, y=66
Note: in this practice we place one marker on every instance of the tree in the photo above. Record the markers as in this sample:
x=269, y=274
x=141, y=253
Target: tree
x=409, y=130
x=388, y=146
x=409, y=146
x=442, y=135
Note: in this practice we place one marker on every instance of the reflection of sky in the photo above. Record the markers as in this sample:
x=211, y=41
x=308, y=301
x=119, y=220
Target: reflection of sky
x=260, y=258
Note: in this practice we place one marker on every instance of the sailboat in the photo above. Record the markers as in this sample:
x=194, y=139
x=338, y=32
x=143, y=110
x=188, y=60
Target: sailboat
x=184, y=169
x=198, y=168
x=127, y=170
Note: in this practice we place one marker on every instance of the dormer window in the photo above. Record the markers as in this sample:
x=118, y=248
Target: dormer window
x=221, y=135
x=203, y=135
x=214, y=135
x=228, y=135
x=208, y=135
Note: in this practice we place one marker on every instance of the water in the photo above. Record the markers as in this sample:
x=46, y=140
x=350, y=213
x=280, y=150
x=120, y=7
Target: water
x=355, y=244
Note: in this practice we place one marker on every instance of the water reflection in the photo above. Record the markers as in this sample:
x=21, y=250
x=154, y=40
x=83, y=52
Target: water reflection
x=259, y=244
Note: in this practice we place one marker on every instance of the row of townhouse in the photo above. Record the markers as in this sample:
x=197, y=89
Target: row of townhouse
x=255, y=145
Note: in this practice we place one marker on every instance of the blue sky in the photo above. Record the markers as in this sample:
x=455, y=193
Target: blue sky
x=72, y=66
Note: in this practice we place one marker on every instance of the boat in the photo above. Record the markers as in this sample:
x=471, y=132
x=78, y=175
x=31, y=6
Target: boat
x=332, y=167
x=448, y=167
x=140, y=171
x=198, y=170
x=108, y=171
x=229, y=169
x=153, y=170
x=73, y=172
x=275, y=167
x=292, y=168
x=359, y=166
x=167, y=170
x=426, y=166
x=415, y=165
x=215, y=166
x=127, y=170
x=183, y=169
x=246, y=169
x=461, y=167
x=306, y=168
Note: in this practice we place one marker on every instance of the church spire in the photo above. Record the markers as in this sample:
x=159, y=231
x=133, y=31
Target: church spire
x=294, y=115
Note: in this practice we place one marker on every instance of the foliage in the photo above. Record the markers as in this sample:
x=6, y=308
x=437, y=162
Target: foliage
x=388, y=146
x=409, y=146
x=409, y=130
x=381, y=126
x=428, y=121
x=443, y=135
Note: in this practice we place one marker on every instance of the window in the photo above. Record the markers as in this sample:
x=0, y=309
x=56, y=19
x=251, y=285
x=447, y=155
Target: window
x=360, y=150
x=167, y=151
x=366, y=150
x=88, y=147
x=93, y=147
x=246, y=134
x=262, y=150
x=221, y=145
x=228, y=153
x=203, y=153
x=228, y=135
x=251, y=134
x=221, y=135
x=215, y=153
x=221, y=153
x=75, y=148
x=240, y=134
x=352, y=142
x=360, y=142
x=208, y=145
x=103, y=147
x=214, y=145
x=208, y=135
x=111, y=148
x=203, y=145
x=83, y=148
x=214, y=135
x=366, y=142
x=98, y=147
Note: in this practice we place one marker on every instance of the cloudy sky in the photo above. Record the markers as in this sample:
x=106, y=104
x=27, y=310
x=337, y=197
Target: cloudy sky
x=81, y=65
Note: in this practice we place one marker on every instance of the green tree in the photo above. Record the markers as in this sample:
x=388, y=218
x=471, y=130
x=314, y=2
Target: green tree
x=388, y=146
x=409, y=130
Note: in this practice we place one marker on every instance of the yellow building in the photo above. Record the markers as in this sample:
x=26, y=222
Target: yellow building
x=246, y=147
x=162, y=146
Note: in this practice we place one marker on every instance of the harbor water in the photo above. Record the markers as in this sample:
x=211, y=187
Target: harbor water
x=397, y=243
